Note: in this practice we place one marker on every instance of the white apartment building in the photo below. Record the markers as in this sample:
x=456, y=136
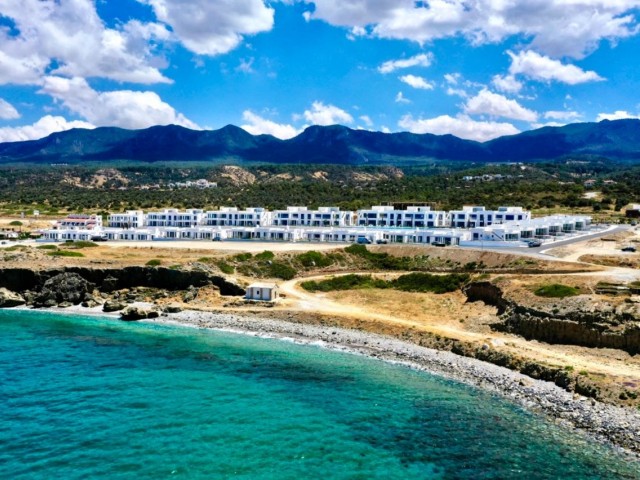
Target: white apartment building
x=412, y=217
x=175, y=218
x=232, y=217
x=477, y=216
x=303, y=217
x=128, y=219
x=544, y=228
x=79, y=221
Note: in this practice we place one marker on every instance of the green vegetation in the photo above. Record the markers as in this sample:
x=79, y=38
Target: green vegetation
x=314, y=259
x=556, y=290
x=413, y=282
x=242, y=257
x=281, y=270
x=79, y=244
x=154, y=262
x=16, y=223
x=65, y=253
x=47, y=247
x=225, y=267
x=264, y=256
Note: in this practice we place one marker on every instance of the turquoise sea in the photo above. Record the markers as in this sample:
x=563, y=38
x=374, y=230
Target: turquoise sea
x=87, y=398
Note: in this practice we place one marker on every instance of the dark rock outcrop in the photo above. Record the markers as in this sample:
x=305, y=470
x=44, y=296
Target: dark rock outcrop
x=9, y=299
x=109, y=280
x=65, y=288
x=488, y=293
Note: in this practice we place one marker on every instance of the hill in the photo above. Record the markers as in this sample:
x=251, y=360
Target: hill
x=617, y=140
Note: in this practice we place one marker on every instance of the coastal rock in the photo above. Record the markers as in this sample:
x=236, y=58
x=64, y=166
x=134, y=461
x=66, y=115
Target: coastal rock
x=136, y=312
x=172, y=308
x=113, y=306
x=64, y=287
x=190, y=295
x=10, y=299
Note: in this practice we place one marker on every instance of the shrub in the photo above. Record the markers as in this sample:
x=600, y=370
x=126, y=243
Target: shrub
x=225, y=267
x=425, y=282
x=16, y=223
x=242, y=257
x=78, y=244
x=344, y=282
x=314, y=259
x=65, y=253
x=264, y=256
x=556, y=290
x=154, y=262
x=281, y=270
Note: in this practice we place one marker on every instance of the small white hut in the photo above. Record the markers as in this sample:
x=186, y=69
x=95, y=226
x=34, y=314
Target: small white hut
x=265, y=292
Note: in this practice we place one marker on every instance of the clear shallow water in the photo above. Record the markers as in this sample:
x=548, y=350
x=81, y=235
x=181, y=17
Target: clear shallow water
x=96, y=398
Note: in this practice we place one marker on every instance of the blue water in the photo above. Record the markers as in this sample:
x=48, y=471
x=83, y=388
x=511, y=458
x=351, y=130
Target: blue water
x=86, y=398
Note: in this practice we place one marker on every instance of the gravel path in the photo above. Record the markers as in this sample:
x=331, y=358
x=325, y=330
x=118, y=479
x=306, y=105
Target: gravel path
x=607, y=423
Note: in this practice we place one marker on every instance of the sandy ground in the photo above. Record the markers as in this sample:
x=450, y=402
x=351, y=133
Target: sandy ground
x=228, y=246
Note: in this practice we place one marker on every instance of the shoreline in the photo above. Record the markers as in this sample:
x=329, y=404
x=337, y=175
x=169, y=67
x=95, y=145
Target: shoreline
x=615, y=426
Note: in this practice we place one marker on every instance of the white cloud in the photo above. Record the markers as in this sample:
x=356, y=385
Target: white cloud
x=538, y=67
x=400, y=98
x=506, y=83
x=457, y=92
x=421, y=60
x=258, y=126
x=617, y=115
x=416, y=82
x=120, y=108
x=452, y=78
x=562, y=115
x=43, y=127
x=69, y=38
x=7, y=111
x=556, y=27
x=461, y=126
x=366, y=119
x=321, y=114
x=213, y=27
x=496, y=105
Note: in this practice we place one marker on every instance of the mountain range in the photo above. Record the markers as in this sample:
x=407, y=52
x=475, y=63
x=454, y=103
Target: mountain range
x=616, y=140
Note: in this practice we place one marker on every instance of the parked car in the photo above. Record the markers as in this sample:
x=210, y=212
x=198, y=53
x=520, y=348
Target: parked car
x=629, y=248
x=382, y=242
x=534, y=243
x=439, y=244
x=363, y=241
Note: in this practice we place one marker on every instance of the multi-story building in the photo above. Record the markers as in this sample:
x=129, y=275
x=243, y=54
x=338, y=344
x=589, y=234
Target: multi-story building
x=322, y=217
x=477, y=216
x=412, y=217
x=79, y=221
x=175, y=218
x=232, y=217
x=128, y=219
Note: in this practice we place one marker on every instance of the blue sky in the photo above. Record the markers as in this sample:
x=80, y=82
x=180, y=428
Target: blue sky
x=475, y=68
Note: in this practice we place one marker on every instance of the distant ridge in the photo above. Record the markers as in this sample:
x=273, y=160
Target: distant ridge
x=336, y=144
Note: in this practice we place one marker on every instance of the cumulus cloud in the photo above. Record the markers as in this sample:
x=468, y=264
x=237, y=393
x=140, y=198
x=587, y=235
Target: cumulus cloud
x=120, y=108
x=7, y=111
x=461, y=126
x=43, y=127
x=506, y=83
x=400, y=98
x=496, y=105
x=538, y=67
x=256, y=125
x=421, y=60
x=213, y=27
x=366, y=119
x=558, y=28
x=69, y=38
x=562, y=115
x=617, y=115
x=416, y=82
x=321, y=114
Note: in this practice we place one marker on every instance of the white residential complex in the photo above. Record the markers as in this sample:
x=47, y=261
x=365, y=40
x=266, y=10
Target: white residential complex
x=506, y=226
